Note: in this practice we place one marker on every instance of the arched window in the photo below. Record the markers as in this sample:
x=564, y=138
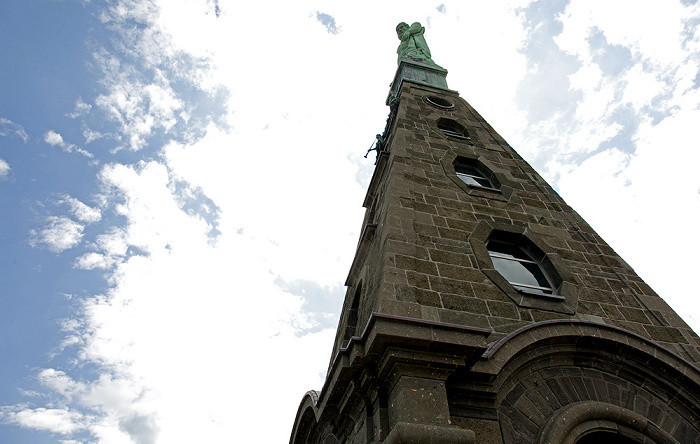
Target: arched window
x=519, y=268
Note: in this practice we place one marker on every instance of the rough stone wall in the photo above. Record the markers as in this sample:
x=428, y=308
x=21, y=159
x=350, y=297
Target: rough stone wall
x=422, y=265
x=434, y=346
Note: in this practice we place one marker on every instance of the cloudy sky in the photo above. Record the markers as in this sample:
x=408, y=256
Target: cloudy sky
x=181, y=185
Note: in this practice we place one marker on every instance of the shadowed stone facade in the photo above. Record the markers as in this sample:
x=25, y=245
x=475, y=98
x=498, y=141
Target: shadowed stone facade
x=435, y=345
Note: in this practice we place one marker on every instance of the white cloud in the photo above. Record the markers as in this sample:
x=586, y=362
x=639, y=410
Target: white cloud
x=59, y=382
x=211, y=227
x=55, y=139
x=139, y=108
x=90, y=135
x=59, y=234
x=629, y=128
x=81, y=211
x=4, y=168
x=10, y=128
x=656, y=33
x=81, y=108
x=90, y=261
x=176, y=322
x=60, y=421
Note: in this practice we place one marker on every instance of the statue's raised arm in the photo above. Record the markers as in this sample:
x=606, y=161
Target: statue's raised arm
x=413, y=45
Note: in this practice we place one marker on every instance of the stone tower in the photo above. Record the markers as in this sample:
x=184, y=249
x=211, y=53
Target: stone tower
x=481, y=308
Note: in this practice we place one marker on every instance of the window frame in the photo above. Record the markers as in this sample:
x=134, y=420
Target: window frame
x=535, y=290
x=564, y=282
x=477, y=175
x=468, y=156
x=452, y=129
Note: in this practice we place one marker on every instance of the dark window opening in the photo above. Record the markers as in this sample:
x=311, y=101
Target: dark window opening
x=353, y=314
x=452, y=129
x=523, y=272
x=605, y=437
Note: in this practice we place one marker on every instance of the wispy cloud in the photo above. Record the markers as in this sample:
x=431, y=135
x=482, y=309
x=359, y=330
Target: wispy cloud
x=81, y=211
x=139, y=73
x=91, y=135
x=10, y=128
x=55, y=139
x=629, y=90
x=81, y=109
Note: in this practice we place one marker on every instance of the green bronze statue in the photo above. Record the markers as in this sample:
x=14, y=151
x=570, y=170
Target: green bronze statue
x=413, y=45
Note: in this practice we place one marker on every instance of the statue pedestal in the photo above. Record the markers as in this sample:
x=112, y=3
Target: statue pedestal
x=431, y=75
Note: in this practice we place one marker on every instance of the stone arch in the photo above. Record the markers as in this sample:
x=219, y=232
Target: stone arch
x=546, y=372
x=306, y=422
x=579, y=420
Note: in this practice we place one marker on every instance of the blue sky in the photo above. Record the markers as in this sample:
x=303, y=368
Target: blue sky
x=181, y=185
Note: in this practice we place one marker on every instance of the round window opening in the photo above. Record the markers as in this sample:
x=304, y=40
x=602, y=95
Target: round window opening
x=439, y=102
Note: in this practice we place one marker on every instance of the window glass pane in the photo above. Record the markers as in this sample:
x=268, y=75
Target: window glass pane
x=469, y=180
x=517, y=272
x=483, y=182
x=453, y=131
x=508, y=250
x=472, y=176
x=468, y=170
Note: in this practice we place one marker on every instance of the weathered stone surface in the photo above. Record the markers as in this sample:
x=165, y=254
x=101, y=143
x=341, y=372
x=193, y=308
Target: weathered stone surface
x=434, y=345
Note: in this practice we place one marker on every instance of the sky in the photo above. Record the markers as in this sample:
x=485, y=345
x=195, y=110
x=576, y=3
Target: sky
x=181, y=185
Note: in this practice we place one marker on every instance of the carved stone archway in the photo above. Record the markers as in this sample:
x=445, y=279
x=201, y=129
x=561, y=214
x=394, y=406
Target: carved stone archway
x=594, y=421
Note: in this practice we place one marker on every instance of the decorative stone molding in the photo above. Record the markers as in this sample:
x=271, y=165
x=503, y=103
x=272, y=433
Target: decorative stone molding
x=407, y=433
x=577, y=420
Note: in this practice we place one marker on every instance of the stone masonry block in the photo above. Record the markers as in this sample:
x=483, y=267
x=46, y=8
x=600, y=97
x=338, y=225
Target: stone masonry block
x=446, y=285
x=467, y=275
x=463, y=318
x=448, y=257
x=462, y=225
x=591, y=308
x=462, y=303
x=418, y=400
x=450, y=233
x=439, y=221
x=408, y=249
x=489, y=211
x=428, y=230
x=414, y=264
x=489, y=291
x=418, y=295
x=503, y=309
x=665, y=334
x=417, y=280
x=424, y=208
x=634, y=315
